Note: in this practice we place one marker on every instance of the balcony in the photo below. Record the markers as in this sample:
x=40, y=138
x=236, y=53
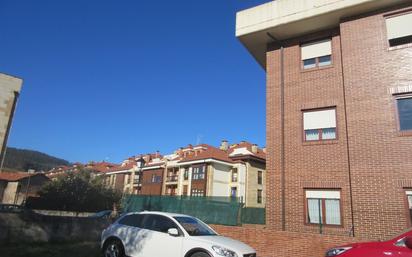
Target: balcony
x=172, y=179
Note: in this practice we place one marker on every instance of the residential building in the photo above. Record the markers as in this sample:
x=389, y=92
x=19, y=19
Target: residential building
x=339, y=113
x=9, y=92
x=15, y=187
x=121, y=177
x=236, y=170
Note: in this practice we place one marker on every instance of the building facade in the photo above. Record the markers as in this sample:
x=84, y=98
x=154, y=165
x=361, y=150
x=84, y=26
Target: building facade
x=16, y=187
x=9, y=92
x=339, y=113
x=236, y=171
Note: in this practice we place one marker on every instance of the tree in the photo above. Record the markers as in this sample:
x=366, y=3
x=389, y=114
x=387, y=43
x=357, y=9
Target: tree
x=78, y=192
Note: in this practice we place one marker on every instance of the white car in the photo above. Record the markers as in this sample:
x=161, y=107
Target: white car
x=160, y=234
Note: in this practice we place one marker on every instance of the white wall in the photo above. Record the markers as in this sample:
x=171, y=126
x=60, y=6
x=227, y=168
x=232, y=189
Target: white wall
x=221, y=180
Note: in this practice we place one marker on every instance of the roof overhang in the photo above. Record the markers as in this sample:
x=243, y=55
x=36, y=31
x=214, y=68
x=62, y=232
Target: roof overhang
x=208, y=160
x=285, y=19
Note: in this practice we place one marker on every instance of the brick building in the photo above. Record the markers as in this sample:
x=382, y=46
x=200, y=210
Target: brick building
x=339, y=113
x=9, y=92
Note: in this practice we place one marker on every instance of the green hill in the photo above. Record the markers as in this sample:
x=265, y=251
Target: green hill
x=23, y=160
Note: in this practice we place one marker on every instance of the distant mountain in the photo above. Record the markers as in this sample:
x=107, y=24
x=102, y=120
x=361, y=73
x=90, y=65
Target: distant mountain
x=23, y=160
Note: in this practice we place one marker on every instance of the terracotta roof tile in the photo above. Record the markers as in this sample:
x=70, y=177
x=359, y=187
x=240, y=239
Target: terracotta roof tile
x=15, y=176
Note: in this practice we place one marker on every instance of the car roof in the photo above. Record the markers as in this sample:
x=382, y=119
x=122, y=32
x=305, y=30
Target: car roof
x=168, y=214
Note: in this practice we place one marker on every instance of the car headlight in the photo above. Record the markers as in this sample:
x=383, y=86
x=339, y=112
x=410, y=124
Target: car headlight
x=223, y=251
x=337, y=251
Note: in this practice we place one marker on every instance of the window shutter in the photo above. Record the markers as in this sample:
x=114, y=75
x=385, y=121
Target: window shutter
x=319, y=119
x=318, y=194
x=399, y=26
x=316, y=49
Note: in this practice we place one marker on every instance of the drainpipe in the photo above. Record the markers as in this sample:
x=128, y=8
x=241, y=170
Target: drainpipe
x=352, y=231
x=282, y=131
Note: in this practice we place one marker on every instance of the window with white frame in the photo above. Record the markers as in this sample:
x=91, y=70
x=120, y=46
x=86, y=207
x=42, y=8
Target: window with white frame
x=234, y=175
x=319, y=124
x=399, y=29
x=198, y=173
x=316, y=54
x=323, y=207
x=198, y=192
x=404, y=106
x=409, y=198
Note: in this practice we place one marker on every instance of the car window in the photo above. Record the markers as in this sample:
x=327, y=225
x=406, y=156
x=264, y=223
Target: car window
x=194, y=227
x=134, y=220
x=401, y=242
x=159, y=223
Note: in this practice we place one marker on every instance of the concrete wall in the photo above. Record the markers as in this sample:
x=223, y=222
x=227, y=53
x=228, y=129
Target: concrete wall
x=10, y=193
x=221, y=179
x=8, y=87
x=252, y=184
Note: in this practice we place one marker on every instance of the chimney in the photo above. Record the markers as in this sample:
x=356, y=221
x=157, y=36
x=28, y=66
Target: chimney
x=254, y=148
x=224, y=145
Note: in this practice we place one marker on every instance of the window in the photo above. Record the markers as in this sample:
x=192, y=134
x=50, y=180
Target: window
x=233, y=192
x=234, y=175
x=198, y=192
x=260, y=177
x=399, y=29
x=156, y=179
x=405, y=113
x=185, y=189
x=409, y=198
x=194, y=227
x=323, y=207
x=319, y=124
x=198, y=173
x=159, y=223
x=259, y=196
x=316, y=54
x=134, y=220
x=186, y=174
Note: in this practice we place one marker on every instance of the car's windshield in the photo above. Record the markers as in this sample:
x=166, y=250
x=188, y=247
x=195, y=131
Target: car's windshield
x=194, y=227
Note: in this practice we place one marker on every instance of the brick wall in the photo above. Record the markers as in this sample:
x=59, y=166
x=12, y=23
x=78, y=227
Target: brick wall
x=381, y=156
x=368, y=148
x=271, y=243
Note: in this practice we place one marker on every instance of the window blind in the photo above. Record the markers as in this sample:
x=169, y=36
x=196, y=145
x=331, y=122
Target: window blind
x=399, y=26
x=319, y=194
x=319, y=119
x=316, y=49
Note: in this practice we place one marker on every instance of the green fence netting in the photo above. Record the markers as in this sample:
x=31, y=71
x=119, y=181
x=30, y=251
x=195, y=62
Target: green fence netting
x=212, y=210
x=253, y=215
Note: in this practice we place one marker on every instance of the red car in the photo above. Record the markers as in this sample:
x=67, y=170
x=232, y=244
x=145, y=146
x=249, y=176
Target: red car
x=399, y=246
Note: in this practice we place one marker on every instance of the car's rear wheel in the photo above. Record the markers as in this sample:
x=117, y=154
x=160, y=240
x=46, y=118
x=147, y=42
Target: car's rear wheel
x=113, y=248
x=200, y=254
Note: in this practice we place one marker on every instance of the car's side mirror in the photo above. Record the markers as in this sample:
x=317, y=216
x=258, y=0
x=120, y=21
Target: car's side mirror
x=173, y=232
x=408, y=242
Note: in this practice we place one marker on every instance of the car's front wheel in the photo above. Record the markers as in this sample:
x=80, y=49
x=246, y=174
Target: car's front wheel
x=113, y=248
x=200, y=254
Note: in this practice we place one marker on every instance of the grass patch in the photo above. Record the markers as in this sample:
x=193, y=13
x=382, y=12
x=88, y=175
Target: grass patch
x=73, y=249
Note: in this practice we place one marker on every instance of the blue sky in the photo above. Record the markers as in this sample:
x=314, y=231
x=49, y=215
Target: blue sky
x=104, y=80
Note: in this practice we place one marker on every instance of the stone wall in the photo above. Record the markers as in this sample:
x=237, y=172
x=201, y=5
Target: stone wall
x=32, y=227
